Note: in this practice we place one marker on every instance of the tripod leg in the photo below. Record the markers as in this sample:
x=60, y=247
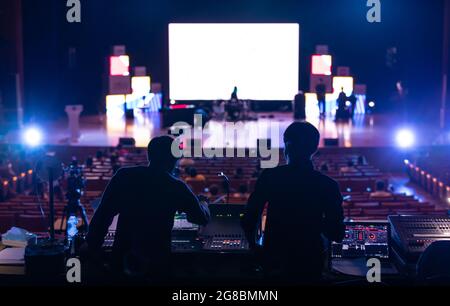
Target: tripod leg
x=84, y=218
x=63, y=217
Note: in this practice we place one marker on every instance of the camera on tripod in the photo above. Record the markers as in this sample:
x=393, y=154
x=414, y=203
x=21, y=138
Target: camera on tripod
x=75, y=182
x=74, y=209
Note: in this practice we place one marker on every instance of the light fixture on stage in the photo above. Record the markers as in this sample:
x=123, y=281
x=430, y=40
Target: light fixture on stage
x=32, y=136
x=371, y=104
x=405, y=138
x=312, y=108
x=340, y=83
x=115, y=105
x=119, y=65
x=321, y=64
x=140, y=85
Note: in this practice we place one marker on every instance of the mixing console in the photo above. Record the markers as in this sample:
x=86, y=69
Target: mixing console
x=411, y=235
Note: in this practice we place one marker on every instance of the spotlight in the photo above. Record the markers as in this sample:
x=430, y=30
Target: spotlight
x=371, y=104
x=405, y=138
x=406, y=162
x=32, y=137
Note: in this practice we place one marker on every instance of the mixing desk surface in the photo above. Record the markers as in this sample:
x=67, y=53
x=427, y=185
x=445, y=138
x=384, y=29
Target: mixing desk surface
x=223, y=234
x=363, y=239
x=411, y=235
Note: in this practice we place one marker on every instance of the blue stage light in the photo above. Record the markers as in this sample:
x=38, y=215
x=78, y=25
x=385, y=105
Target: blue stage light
x=32, y=136
x=405, y=138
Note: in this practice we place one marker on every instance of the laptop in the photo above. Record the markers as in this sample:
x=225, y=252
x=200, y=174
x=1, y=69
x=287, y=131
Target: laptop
x=362, y=241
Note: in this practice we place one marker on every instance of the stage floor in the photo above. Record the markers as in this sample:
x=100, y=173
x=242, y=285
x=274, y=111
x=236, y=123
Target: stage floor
x=363, y=131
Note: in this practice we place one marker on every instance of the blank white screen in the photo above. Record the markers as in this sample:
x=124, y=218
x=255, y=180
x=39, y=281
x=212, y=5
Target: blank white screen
x=207, y=60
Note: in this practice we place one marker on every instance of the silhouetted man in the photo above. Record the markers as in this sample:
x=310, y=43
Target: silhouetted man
x=300, y=106
x=321, y=91
x=342, y=113
x=234, y=96
x=146, y=199
x=302, y=206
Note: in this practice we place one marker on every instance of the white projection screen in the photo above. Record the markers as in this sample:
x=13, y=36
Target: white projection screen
x=206, y=61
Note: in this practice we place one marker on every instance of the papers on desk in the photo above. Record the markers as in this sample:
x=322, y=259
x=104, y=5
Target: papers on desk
x=18, y=237
x=12, y=256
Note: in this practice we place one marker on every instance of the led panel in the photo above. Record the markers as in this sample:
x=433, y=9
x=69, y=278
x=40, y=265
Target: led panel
x=321, y=64
x=120, y=65
x=140, y=85
x=115, y=104
x=206, y=61
x=342, y=82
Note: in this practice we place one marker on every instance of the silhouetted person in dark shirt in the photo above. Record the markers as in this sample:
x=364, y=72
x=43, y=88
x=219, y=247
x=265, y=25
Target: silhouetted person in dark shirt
x=303, y=205
x=342, y=112
x=239, y=173
x=300, y=106
x=321, y=91
x=89, y=162
x=146, y=199
x=234, y=95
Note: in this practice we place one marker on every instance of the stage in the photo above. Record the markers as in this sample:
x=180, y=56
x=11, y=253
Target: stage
x=363, y=131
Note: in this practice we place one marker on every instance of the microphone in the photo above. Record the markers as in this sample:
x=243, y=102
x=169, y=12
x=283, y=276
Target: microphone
x=226, y=181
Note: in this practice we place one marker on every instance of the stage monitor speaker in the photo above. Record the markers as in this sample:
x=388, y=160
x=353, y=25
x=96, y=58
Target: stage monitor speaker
x=331, y=142
x=127, y=142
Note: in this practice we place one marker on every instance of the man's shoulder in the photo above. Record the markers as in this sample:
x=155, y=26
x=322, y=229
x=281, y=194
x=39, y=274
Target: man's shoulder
x=130, y=170
x=272, y=173
x=325, y=179
x=140, y=171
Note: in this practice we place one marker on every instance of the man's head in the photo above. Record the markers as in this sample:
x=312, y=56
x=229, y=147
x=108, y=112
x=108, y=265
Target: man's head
x=193, y=172
x=159, y=153
x=214, y=190
x=301, y=140
x=380, y=186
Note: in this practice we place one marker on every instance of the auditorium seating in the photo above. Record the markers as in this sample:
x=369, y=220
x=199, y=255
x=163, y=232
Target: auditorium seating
x=433, y=178
x=25, y=211
x=361, y=206
x=356, y=182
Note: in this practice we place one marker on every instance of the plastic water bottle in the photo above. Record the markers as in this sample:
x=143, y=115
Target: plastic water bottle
x=72, y=230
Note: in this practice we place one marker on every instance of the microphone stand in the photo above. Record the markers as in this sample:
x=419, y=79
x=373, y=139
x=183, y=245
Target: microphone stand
x=51, y=202
x=226, y=180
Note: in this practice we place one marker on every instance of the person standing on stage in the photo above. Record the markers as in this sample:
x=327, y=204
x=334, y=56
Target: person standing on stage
x=299, y=106
x=342, y=112
x=321, y=90
x=234, y=96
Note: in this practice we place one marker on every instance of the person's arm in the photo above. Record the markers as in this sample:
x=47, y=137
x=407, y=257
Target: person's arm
x=334, y=228
x=255, y=206
x=196, y=212
x=104, y=215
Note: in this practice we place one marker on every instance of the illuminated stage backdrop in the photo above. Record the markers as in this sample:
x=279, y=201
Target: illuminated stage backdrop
x=206, y=61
